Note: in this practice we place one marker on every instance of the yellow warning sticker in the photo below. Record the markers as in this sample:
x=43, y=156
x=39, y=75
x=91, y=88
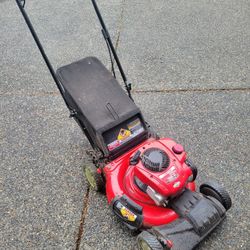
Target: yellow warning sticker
x=128, y=214
x=123, y=134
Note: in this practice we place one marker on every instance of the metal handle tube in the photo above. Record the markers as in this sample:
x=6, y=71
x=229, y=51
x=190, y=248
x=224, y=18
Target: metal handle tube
x=107, y=36
x=40, y=47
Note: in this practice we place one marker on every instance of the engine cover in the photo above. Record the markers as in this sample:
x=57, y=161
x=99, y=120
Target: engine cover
x=161, y=168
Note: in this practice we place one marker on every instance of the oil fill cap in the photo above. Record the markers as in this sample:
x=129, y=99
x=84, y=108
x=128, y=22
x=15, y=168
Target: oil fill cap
x=178, y=149
x=135, y=159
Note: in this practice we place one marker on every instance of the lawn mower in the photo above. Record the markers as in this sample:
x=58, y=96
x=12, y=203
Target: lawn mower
x=149, y=181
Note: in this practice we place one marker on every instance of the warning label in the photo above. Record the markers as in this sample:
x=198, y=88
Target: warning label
x=126, y=133
x=123, y=134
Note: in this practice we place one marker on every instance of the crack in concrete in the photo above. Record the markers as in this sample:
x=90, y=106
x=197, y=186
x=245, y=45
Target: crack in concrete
x=189, y=90
x=86, y=198
x=120, y=25
x=83, y=216
x=31, y=94
x=55, y=93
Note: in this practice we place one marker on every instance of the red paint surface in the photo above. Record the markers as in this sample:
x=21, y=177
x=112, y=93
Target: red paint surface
x=120, y=180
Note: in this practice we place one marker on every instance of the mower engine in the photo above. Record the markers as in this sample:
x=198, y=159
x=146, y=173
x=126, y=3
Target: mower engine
x=162, y=172
x=143, y=181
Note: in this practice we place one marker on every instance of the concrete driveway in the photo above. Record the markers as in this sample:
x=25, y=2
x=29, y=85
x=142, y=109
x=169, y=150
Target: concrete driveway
x=189, y=62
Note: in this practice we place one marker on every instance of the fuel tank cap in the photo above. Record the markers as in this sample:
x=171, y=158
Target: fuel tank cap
x=178, y=149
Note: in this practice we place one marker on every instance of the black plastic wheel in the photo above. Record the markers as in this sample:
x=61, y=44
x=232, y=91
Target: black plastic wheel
x=147, y=241
x=94, y=178
x=214, y=189
x=193, y=168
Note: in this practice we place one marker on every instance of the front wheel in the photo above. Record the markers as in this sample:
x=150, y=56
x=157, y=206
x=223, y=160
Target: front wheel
x=147, y=241
x=94, y=178
x=214, y=189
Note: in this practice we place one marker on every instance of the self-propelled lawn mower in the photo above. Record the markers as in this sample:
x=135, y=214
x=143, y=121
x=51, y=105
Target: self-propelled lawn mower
x=149, y=181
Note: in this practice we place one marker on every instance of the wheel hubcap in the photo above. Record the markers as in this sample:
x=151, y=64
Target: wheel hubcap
x=90, y=177
x=144, y=245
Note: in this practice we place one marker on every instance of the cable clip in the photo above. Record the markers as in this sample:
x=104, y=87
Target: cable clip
x=22, y=2
x=129, y=86
x=72, y=113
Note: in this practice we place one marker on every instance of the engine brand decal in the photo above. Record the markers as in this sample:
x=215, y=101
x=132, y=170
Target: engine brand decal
x=170, y=175
x=123, y=134
x=127, y=214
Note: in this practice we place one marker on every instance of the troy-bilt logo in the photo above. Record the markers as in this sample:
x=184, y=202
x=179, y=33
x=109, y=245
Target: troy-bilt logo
x=128, y=214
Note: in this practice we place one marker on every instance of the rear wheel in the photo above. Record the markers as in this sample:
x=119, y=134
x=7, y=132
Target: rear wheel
x=193, y=168
x=214, y=189
x=94, y=178
x=147, y=241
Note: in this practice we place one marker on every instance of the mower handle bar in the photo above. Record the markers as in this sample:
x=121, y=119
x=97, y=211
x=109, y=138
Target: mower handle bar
x=110, y=43
x=21, y=4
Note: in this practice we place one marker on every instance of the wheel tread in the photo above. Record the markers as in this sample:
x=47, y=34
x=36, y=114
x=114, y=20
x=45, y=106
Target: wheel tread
x=150, y=239
x=224, y=195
